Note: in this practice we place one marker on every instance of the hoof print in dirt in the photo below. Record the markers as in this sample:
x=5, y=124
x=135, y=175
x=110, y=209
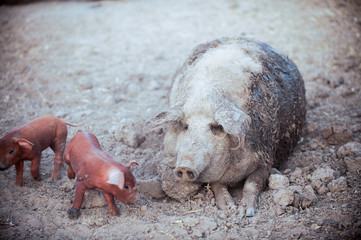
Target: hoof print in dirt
x=73, y=213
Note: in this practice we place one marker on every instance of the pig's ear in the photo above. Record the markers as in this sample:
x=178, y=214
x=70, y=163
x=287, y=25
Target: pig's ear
x=116, y=177
x=233, y=120
x=23, y=143
x=173, y=115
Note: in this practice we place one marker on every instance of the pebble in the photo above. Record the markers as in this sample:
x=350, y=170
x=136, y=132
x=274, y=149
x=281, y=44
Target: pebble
x=277, y=181
x=338, y=185
x=283, y=197
x=352, y=149
x=337, y=135
x=325, y=174
x=353, y=165
x=130, y=132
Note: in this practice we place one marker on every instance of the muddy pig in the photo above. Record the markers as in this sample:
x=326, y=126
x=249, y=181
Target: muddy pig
x=28, y=141
x=95, y=169
x=237, y=108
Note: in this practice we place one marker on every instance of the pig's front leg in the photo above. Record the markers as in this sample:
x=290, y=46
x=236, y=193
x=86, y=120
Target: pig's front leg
x=113, y=209
x=74, y=212
x=223, y=198
x=251, y=189
x=34, y=169
x=19, y=166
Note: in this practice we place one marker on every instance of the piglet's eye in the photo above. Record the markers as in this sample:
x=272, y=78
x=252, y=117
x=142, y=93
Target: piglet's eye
x=216, y=129
x=12, y=152
x=126, y=187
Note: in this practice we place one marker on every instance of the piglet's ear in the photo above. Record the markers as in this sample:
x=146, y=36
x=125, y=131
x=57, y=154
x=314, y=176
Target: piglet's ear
x=25, y=144
x=131, y=163
x=233, y=120
x=116, y=177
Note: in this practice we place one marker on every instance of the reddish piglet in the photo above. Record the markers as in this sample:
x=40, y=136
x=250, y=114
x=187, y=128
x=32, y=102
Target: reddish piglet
x=28, y=141
x=95, y=169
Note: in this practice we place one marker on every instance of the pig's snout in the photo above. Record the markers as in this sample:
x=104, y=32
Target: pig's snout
x=185, y=173
x=188, y=169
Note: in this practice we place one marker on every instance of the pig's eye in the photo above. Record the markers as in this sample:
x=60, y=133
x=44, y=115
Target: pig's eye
x=183, y=126
x=12, y=152
x=216, y=129
x=126, y=187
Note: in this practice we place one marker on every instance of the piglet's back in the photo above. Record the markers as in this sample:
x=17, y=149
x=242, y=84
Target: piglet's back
x=42, y=131
x=85, y=152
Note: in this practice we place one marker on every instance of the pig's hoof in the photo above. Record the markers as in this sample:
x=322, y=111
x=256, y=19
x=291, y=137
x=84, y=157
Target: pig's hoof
x=247, y=206
x=19, y=184
x=73, y=213
x=115, y=213
x=250, y=212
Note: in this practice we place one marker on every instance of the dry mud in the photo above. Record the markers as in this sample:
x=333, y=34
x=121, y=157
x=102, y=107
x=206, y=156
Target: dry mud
x=109, y=66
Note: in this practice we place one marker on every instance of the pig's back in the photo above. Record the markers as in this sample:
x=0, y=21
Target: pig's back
x=221, y=68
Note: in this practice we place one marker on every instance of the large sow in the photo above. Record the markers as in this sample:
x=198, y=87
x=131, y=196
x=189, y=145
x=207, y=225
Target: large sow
x=237, y=108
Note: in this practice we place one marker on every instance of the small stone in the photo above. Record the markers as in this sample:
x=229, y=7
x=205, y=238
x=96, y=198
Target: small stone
x=279, y=210
x=352, y=149
x=287, y=171
x=143, y=208
x=93, y=199
x=325, y=175
x=353, y=165
x=283, y=197
x=319, y=186
x=337, y=135
x=130, y=133
x=296, y=175
x=151, y=187
x=308, y=197
x=338, y=185
x=275, y=171
x=277, y=181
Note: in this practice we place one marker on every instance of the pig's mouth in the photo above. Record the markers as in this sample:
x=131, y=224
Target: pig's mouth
x=2, y=167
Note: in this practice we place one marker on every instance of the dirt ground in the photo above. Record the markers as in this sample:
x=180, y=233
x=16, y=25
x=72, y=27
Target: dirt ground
x=109, y=66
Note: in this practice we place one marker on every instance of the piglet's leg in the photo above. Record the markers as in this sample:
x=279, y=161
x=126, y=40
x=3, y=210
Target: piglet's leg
x=224, y=200
x=113, y=209
x=252, y=187
x=34, y=169
x=58, y=160
x=74, y=212
x=19, y=166
x=71, y=173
